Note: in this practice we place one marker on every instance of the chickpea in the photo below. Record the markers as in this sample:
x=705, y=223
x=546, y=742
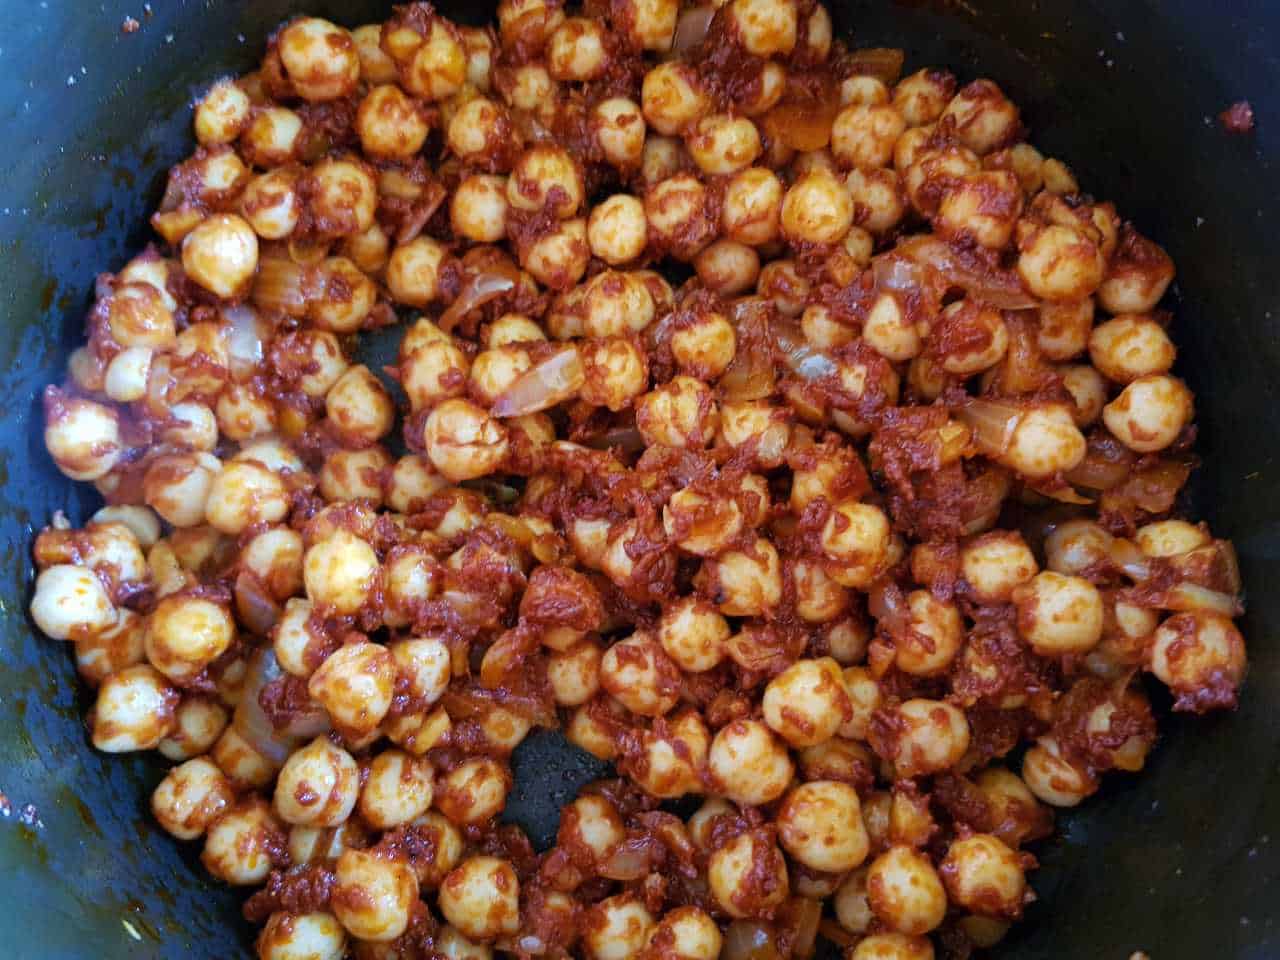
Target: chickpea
x=1059, y=263
x=864, y=135
x=748, y=875
x=1045, y=440
x=474, y=792
x=576, y=50
x=1052, y=778
x=616, y=372
x=892, y=946
x=620, y=131
x=765, y=27
x=672, y=99
x=933, y=637
x=904, y=891
x=241, y=762
x=744, y=582
x=464, y=442
x=982, y=207
x=1150, y=413
x=1139, y=274
x=994, y=563
x=722, y=144
x=617, y=230
x=546, y=177
x=617, y=928
x=413, y=272
x=480, y=897
x=984, y=118
x=453, y=945
x=865, y=699
x=640, y=676
x=933, y=736
x=478, y=209
x=198, y=723
x=273, y=137
x=83, y=437
x=1199, y=655
x=748, y=764
x=530, y=88
x=983, y=875
x=134, y=710
x=355, y=685
x=424, y=666
x=1077, y=545
x=70, y=603
x=221, y=255
x=320, y=59
x=690, y=933
x=372, y=896
x=238, y=844
x=820, y=825
x=922, y=97
x=185, y=634
x=855, y=541
x=1128, y=347
x=817, y=209
x=558, y=259
x=221, y=114
x=1170, y=538
x=673, y=757
x=807, y=702
x=476, y=128
x=244, y=494
x=139, y=317
x=190, y=797
x=682, y=413
x=1059, y=614
x=389, y=124
x=574, y=674
x=305, y=936
x=359, y=406
x=1088, y=391
x=318, y=786
x=677, y=210
x=752, y=206
x=437, y=68
x=399, y=789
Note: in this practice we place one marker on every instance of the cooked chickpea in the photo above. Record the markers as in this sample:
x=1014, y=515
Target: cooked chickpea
x=1169, y=538
x=1088, y=391
x=752, y=206
x=745, y=582
x=574, y=674
x=273, y=137
x=994, y=563
x=640, y=675
x=198, y=723
x=984, y=119
x=373, y=896
x=983, y=875
x=620, y=131
x=681, y=413
x=320, y=58
x=855, y=541
x=820, y=825
x=478, y=209
x=546, y=177
x=981, y=207
x=185, y=634
x=238, y=844
x=190, y=797
x=932, y=736
x=480, y=897
x=1199, y=653
x=922, y=97
x=244, y=494
x=1052, y=778
x=399, y=789
x=1150, y=413
x=748, y=876
x=933, y=637
x=690, y=933
x=355, y=685
x=617, y=230
x=672, y=99
x=464, y=442
x=1077, y=545
x=302, y=936
x=748, y=764
x=817, y=209
x=1045, y=440
x=83, y=437
x=617, y=928
x=359, y=405
x=222, y=113
x=1060, y=264
x=1139, y=274
x=864, y=135
x=904, y=891
x=673, y=757
x=1128, y=347
x=452, y=945
x=807, y=702
x=474, y=792
x=1059, y=614
x=765, y=27
x=390, y=124
x=221, y=255
x=616, y=372
x=318, y=786
x=558, y=259
x=892, y=946
x=437, y=68
x=678, y=213
x=70, y=603
x=693, y=634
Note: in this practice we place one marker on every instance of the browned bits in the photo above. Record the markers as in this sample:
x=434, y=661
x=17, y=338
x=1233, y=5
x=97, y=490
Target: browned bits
x=790, y=431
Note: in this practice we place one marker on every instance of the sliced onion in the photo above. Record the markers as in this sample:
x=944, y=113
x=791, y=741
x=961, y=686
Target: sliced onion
x=477, y=290
x=247, y=334
x=256, y=611
x=999, y=288
x=804, y=360
x=281, y=285
x=626, y=439
x=1096, y=473
x=1125, y=555
x=554, y=380
x=883, y=63
x=625, y=862
x=1192, y=596
x=993, y=423
x=250, y=721
x=803, y=917
x=750, y=940
x=887, y=604
x=1063, y=494
x=803, y=125
x=898, y=274
x=691, y=30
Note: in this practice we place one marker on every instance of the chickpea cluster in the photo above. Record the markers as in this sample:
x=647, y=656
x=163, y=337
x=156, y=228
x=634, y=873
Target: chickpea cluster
x=789, y=432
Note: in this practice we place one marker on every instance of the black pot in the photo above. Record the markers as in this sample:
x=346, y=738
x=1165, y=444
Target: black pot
x=1183, y=861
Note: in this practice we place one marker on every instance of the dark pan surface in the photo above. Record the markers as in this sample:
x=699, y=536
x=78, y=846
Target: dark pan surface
x=1183, y=861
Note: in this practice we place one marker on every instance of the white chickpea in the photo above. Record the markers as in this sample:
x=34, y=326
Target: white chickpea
x=558, y=259
x=1052, y=778
x=616, y=372
x=134, y=710
x=693, y=634
x=690, y=933
x=318, y=786
x=983, y=875
x=981, y=207
x=672, y=98
x=354, y=475
x=243, y=494
x=480, y=897
x=616, y=303
x=390, y=124
x=102, y=652
x=727, y=267
x=807, y=702
x=83, y=437
x=126, y=378
x=994, y=563
x=437, y=68
x=617, y=230
x=745, y=582
x=546, y=177
x=574, y=674
x=139, y=317
x=1200, y=656
x=301, y=936
x=242, y=413
x=904, y=891
x=241, y=762
x=1059, y=614
x=855, y=541
x=70, y=603
x=355, y=685
x=864, y=135
x=473, y=792
x=765, y=27
x=757, y=422
x=982, y=333
x=238, y=844
x=748, y=875
x=1128, y=347
x=399, y=788
x=852, y=910
x=820, y=825
x=1059, y=263
x=373, y=896
x=452, y=945
x=620, y=131
x=681, y=413
x=984, y=118
x=923, y=96
x=320, y=58
x=677, y=210
x=591, y=824
x=190, y=797
x=640, y=675
x=476, y=128
x=1075, y=546
x=673, y=757
x=273, y=137
x=617, y=928
x=752, y=206
x=879, y=203
x=221, y=255
x=185, y=634
x=699, y=524
x=221, y=114
x=413, y=272
x=359, y=405
x=375, y=65
x=1088, y=391
x=1169, y=538
x=529, y=87
x=463, y=441
x=817, y=209
x=748, y=764
x=576, y=50
x=478, y=209
x=865, y=698
x=892, y=946
x=1139, y=274
x=1150, y=413
x=198, y=723
x=722, y=144
x=933, y=637
x=932, y=736
x=424, y=666
x=1045, y=440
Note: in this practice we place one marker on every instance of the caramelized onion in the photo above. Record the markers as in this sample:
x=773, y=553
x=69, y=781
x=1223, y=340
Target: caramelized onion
x=478, y=289
x=993, y=423
x=257, y=611
x=250, y=721
x=691, y=30
x=1126, y=556
x=625, y=862
x=804, y=124
x=554, y=380
x=883, y=63
x=802, y=359
x=1098, y=473
x=247, y=334
x=993, y=285
x=1192, y=596
x=750, y=940
x=281, y=285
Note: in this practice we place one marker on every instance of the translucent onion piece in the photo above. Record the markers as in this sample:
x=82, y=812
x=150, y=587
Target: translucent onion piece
x=993, y=423
x=691, y=29
x=750, y=940
x=883, y=63
x=1192, y=596
x=477, y=290
x=247, y=334
x=554, y=380
x=999, y=288
x=256, y=610
x=805, y=361
x=250, y=721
